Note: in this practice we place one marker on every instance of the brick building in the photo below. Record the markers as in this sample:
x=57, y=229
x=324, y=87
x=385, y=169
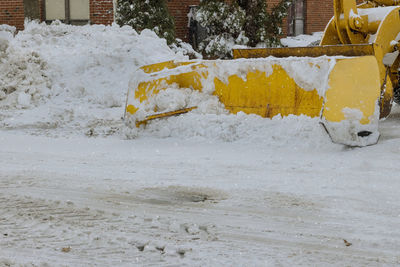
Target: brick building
x=13, y=12
x=305, y=16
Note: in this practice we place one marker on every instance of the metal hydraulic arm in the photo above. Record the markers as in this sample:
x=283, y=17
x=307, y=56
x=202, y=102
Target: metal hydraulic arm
x=364, y=24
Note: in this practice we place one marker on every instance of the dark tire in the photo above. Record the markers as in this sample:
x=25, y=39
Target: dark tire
x=396, y=95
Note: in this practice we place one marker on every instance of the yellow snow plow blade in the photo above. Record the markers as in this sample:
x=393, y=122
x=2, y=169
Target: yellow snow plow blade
x=344, y=92
x=349, y=81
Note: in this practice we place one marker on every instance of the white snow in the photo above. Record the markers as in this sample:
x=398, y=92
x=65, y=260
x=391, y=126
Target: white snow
x=352, y=15
x=193, y=190
x=390, y=58
x=309, y=73
x=77, y=77
x=348, y=131
x=302, y=40
x=375, y=14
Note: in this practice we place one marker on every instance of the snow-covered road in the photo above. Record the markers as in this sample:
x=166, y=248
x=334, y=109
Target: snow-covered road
x=173, y=202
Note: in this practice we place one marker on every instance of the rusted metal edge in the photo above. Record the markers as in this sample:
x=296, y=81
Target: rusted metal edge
x=164, y=115
x=311, y=51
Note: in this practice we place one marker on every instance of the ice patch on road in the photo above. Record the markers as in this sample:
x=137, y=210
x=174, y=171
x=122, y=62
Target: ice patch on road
x=179, y=195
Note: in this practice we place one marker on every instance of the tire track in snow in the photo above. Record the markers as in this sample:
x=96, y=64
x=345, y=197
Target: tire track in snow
x=159, y=224
x=48, y=227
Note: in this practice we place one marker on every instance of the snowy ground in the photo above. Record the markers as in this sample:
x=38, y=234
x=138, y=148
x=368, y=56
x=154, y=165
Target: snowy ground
x=196, y=190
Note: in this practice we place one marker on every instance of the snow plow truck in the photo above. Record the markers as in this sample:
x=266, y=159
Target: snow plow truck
x=349, y=81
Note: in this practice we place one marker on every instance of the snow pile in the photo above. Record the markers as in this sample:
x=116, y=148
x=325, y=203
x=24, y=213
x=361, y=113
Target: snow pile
x=80, y=73
x=8, y=28
x=23, y=79
x=62, y=80
x=292, y=132
x=212, y=122
x=5, y=38
x=184, y=49
x=302, y=40
x=94, y=61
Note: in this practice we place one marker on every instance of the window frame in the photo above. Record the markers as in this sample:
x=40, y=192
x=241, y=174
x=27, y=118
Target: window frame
x=67, y=19
x=296, y=22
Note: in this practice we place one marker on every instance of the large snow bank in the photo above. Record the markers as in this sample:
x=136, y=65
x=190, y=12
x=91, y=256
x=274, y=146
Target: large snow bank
x=63, y=80
x=94, y=61
x=73, y=77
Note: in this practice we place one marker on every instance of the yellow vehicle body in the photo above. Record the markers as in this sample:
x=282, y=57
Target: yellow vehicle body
x=353, y=84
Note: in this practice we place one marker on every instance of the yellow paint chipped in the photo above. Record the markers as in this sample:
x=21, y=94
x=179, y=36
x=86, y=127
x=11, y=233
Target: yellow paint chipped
x=131, y=109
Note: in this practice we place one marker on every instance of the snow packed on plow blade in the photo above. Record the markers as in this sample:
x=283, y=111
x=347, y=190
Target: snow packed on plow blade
x=342, y=91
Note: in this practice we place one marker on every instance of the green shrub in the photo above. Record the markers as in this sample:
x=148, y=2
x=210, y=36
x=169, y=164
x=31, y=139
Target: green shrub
x=147, y=14
x=243, y=22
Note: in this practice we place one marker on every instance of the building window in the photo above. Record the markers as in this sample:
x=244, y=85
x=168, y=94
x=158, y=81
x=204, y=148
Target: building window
x=32, y=9
x=69, y=11
x=296, y=18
